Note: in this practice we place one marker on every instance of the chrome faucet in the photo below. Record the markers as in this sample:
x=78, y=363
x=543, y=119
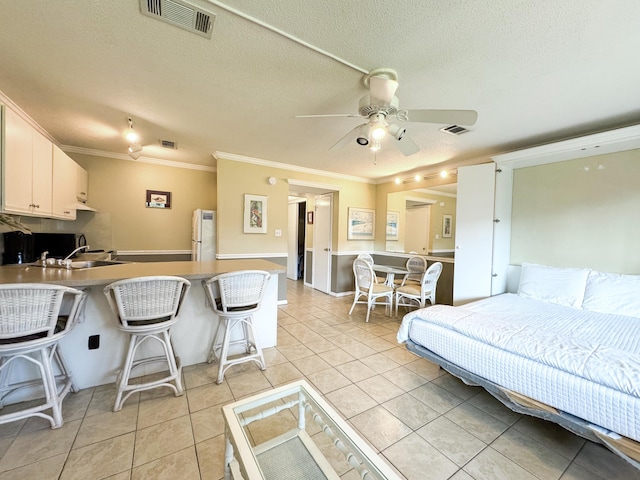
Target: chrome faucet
x=83, y=247
x=43, y=257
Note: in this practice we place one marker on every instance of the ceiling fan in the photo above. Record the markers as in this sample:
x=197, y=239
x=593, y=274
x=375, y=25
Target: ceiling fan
x=381, y=105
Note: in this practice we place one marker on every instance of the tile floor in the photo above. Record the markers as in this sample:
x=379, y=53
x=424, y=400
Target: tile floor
x=423, y=421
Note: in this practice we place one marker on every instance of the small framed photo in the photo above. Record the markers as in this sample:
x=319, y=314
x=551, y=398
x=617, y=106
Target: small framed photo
x=158, y=199
x=361, y=224
x=255, y=213
x=392, y=225
x=310, y=217
x=447, y=226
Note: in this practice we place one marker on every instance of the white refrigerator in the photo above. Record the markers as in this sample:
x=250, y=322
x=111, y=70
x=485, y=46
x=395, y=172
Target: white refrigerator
x=203, y=235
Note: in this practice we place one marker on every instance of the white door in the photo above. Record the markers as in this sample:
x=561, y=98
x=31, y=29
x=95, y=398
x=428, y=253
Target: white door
x=474, y=233
x=292, y=242
x=417, y=229
x=322, y=243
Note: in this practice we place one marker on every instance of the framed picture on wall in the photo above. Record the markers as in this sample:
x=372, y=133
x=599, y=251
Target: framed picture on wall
x=361, y=224
x=447, y=226
x=158, y=199
x=255, y=213
x=392, y=225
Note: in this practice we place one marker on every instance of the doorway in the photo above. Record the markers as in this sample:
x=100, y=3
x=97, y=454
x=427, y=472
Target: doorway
x=296, y=235
x=322, y=243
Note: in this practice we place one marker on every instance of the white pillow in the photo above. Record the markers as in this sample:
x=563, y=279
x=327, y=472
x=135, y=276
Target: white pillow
x=613, y=293
x=562, y=286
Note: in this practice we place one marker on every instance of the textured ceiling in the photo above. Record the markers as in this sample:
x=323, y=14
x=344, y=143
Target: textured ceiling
x=535, y=72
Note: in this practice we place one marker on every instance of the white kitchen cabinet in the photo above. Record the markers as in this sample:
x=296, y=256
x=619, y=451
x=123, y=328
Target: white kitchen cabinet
x=27, y=167
x=82, y=184
x=65, y=172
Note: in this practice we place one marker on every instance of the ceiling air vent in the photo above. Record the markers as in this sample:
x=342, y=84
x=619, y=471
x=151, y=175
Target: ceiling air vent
x=181, y=14
x=168, y=144
x=454, y=130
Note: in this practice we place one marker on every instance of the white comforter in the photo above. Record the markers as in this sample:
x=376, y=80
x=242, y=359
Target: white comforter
x=601, y=348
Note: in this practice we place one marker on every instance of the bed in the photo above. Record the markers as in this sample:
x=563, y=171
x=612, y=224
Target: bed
x=565, y=347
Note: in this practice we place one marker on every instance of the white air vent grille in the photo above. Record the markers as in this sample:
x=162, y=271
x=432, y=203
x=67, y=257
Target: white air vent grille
x=181, y=14
x=454, y=130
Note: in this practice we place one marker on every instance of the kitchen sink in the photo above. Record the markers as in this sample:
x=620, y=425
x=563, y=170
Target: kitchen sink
x=94, y=263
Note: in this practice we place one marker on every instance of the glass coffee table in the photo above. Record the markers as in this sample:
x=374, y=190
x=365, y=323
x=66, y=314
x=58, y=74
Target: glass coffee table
x=301, y=437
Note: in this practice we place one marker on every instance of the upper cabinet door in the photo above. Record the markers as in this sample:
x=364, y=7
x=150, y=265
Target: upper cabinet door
x=64, y=181
x=42, y=174
x=18, y=164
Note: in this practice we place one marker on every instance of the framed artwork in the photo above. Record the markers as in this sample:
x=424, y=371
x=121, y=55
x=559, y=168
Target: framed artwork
x=447, y=226
x=310, y=217
x=158, y=199
x=255, y=213
x=392, y=225
x=361, y=224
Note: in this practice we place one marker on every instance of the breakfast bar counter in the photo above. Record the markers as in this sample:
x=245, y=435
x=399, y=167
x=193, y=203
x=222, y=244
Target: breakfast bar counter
x=191, y=335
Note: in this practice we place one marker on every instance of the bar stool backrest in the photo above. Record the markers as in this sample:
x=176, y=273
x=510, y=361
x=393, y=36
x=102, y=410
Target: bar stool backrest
x=240, y=291
x=29, y=311
x=141, y=300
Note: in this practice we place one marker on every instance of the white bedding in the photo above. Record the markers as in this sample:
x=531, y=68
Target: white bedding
x=581, y=362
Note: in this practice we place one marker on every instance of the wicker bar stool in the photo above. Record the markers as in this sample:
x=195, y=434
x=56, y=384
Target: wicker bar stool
x=33, y=319
x=146, y=309
x=235, y=297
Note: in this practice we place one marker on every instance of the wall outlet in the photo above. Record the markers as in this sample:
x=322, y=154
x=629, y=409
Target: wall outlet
x=278, y=232
x=437, y=236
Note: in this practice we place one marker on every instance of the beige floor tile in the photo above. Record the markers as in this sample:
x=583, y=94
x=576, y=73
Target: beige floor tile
x=601, y=461
x=5, y=443
x=211, y=458
x=319, y=346
x=404, y=378
x=350, y=400
x=308, y=365
x=457, y=386
x=380, y=427
x=182, y=464
x=272, y=356
x=247, y=384
x=379, y=388
x=328, y=380
x=207, y=423
x=360, y=350
x=550, y=434
x=491, y=465
x=400, y=355
x=379, y=345
x=453, y=441
x=425, y=369
x=100, y=459
x=336, y=357
x=461, y=475
x=411, y=411
x=414, y=457
x=200, y=374
x=355, y=371
x=107, y=425
x=435, y=397
x=158, y=410
x=47, y=469
x=39, y=445
x=539, y=460
x=294, y=352
x=163, y=439
x=268, y=428
x=74, y=407
x=494, y=407
x=379, y=363
x=120, y=476
x=476, y=422
x=103, y=400
x=207, y=396
x=283, y=373
x=576, y=472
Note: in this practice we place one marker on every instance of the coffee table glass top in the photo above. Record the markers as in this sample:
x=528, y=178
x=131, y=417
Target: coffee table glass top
x=292, y=433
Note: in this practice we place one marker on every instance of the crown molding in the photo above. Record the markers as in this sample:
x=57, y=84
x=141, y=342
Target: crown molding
x=286, y=166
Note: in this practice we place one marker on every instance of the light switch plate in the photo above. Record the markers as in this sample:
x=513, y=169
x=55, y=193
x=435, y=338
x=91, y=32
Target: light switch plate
x=278, y=232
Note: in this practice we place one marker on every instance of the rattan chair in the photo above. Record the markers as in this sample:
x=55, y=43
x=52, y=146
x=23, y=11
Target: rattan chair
x=369, y=259
x=234, y=297
x=33, y=319
x=416, y=265
x=410, y=295
x=146, y=309
x=366, y=286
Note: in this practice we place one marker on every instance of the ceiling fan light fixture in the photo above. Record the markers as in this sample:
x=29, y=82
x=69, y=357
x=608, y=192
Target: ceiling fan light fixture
x=375, y=145
x=363, y=135
x=130, y=134
x=396, y=131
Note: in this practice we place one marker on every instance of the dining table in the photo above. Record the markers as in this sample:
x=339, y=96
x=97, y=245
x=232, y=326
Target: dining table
x=391, y=271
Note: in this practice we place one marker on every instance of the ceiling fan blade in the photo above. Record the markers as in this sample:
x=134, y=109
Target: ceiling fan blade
x=459, y=117
x=330, y=115
x=349, y=137
x=382, y=90
x=406, y=146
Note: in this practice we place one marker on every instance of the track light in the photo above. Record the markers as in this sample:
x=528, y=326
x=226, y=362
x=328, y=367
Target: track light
x=363, y=135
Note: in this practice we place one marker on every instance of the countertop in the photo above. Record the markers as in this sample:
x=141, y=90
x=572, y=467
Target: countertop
x=111, y=273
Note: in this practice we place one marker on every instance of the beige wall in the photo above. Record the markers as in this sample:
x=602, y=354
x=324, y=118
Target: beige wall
x=117, y=189
x=574, y=213
x=238, y=178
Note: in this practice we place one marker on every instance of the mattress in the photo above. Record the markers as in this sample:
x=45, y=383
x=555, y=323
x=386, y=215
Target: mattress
x=583, y=363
